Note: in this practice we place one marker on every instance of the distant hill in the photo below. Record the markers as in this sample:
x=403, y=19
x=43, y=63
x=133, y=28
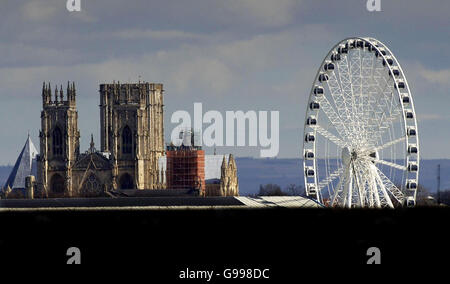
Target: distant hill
x=253, y=172
x=4, y=174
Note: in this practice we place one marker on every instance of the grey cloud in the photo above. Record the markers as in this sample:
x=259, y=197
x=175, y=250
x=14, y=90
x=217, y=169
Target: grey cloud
x=39, y=10
x=227, y=54
x=261, y=13
x=441, y=77
x=155, y=35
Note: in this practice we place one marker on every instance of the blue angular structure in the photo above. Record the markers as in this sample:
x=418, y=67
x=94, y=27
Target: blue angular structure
x=24, y=166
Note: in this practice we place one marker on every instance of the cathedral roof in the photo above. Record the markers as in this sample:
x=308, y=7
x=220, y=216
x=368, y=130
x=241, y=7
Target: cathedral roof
x=24, y=166
x=94, y=160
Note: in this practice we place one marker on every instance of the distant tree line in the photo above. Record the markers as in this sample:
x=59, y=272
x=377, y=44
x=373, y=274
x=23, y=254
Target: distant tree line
x=445, y=197
x=271, y=189
x=423, y=198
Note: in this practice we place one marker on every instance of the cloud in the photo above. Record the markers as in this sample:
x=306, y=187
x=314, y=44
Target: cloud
x=135, y=34
x=213, y=67
x=39, y=10
x=441, y=77
x=262, y=13
x=182, y=72
x=22, y=54
x=431, y=116
x=229, y=54
x=429, y=83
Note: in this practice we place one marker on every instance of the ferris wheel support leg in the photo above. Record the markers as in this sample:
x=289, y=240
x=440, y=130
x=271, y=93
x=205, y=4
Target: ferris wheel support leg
x=383, y=189
x=373, y=193
x=349, y=187
x=360, y=185
x=345, y=189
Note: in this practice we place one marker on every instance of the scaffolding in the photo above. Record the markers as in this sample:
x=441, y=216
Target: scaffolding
x=186, y=164
x=186, y=169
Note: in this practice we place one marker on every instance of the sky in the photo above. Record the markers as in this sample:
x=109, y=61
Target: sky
x=230, y=55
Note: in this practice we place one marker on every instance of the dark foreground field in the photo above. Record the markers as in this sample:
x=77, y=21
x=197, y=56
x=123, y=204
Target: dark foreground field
x=284, y=240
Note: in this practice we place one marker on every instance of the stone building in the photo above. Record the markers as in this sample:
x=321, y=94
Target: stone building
x=224, y=183
x=229, y=185
x=132, y=140
x=132, y=130
x=132, y=152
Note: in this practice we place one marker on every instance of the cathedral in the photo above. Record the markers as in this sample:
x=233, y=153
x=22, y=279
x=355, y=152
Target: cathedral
x=132, y=154
x=132, y=140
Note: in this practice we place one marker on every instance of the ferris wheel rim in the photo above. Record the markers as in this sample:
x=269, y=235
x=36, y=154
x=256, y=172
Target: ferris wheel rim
x=376, y=46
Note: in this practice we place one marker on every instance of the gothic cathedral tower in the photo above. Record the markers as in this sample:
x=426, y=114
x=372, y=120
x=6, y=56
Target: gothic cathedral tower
x=132, y=131
x=59, y=142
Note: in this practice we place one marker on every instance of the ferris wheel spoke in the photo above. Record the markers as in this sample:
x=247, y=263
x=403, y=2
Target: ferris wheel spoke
x=333, y=117
x=390, y=143
x=337, y=96
x=390, y=164
x=330, y=178
x=376, y=132
x=385, y=114
x=386, y=200
x=346, y=86
x=386, y=120
x=338, y=191
x=356, y=87
x=390, y=186
x=330, y=136
x=385, y=89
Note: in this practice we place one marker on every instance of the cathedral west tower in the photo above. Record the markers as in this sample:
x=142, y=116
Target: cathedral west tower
x=59, y=141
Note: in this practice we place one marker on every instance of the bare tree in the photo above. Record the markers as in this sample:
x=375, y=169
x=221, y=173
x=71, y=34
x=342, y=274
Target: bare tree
x=445, y=197
x=424, y=197
x=295, y=190
x=270, y=190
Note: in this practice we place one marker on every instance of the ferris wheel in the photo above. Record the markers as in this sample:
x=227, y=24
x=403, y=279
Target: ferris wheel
x=360, y=144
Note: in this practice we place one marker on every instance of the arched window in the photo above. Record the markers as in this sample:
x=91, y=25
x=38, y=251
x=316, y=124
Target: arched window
x=126, y=181
x=127, y=140
x=92, y=186
x=57, y=142
x=57, y=183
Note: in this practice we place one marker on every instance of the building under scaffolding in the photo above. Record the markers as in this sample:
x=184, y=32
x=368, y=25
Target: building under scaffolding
x=186, y=164
x=187, y=167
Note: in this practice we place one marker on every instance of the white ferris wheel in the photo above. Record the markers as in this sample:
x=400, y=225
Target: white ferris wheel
x=360, y=144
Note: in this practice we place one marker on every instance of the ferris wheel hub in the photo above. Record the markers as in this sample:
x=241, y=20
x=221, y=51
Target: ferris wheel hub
x=347, y=156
